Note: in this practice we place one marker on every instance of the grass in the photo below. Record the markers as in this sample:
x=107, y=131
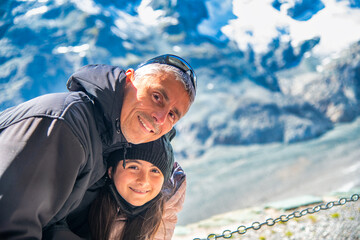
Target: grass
x=312, y=218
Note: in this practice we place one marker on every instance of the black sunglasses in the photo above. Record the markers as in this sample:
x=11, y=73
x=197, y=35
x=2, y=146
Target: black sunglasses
x=174, y=61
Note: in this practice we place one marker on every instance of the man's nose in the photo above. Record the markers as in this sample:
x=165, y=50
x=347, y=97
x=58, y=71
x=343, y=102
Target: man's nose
x=160, y=116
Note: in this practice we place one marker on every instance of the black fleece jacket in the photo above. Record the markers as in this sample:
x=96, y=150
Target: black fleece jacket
x=52, y=149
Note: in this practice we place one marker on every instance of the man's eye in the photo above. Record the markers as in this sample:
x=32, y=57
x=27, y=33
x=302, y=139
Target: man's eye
x=172, y=115
x=133, y=167
x=156, y=97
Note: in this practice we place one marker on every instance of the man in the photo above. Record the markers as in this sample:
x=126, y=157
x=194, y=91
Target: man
x=52, y=148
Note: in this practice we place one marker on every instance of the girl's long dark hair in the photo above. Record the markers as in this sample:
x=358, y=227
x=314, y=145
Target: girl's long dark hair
x=144, y=226
x=103, y=213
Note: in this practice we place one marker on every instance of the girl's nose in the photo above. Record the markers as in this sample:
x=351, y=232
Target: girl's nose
x=142, y=178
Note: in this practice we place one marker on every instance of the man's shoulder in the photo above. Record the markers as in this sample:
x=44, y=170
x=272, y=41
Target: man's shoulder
x=55, y=105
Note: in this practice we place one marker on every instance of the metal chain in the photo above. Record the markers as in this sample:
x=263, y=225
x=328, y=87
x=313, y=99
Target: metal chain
x=283, y=218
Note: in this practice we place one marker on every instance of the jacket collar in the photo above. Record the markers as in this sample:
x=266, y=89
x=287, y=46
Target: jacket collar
x=104, y=84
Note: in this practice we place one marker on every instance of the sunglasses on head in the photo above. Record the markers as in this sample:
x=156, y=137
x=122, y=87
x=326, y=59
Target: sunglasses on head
x=174, y=61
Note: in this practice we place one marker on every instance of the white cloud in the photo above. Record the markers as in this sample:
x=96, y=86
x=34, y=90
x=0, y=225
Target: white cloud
x=257, y=23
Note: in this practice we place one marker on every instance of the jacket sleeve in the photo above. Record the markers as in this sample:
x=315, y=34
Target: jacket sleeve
x=60, y=231
x=171, y=209
x=40, y=159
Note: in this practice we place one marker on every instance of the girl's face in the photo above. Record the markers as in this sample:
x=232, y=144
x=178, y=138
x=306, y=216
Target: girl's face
x=139, y=182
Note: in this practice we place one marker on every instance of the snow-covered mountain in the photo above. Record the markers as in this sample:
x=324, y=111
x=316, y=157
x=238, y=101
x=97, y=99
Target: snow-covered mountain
x=272, y=70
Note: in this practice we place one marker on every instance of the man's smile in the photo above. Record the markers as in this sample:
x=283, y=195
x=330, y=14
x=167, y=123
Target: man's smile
x=144, y=125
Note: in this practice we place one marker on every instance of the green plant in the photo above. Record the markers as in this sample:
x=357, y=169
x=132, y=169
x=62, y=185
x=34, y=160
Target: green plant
x=288, y=234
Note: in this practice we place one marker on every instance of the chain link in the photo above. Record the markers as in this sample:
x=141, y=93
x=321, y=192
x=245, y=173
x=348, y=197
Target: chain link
x=283, y=218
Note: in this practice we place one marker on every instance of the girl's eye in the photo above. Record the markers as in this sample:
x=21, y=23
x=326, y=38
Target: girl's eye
x=133, y=167
x=155, y=170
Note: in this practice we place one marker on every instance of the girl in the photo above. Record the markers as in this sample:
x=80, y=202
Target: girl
x=142, y=195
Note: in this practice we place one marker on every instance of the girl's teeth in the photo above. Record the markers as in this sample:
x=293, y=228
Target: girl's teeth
x=139, y=191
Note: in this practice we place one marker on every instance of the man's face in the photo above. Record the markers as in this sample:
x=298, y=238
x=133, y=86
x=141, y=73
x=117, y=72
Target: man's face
x=152, y=106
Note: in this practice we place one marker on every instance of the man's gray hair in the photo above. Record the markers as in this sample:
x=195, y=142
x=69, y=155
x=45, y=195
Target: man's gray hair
x=154, y=69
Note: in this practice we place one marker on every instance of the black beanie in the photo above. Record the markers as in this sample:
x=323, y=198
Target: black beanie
x=158, y=152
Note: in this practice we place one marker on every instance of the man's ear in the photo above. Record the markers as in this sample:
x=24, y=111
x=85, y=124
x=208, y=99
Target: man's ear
x=130, y=75
x=109, y=172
